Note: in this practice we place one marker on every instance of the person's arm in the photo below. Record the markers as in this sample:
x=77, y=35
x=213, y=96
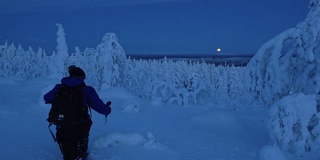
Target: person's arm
x=48, y=97
x=97, y=104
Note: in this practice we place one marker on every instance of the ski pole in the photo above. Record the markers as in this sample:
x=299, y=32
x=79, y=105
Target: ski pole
x=105, y=120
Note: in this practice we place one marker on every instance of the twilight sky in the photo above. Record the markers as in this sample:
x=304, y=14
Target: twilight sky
x=151, y=26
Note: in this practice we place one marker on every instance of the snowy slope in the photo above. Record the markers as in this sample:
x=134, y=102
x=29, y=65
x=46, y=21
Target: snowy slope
x=136, y=129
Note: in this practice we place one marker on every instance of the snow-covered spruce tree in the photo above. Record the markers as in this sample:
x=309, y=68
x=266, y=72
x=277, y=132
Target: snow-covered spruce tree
x=88, y=61
x=222, y=95
x=165, y=83
x=199, y=83
x=203, y=83
x=36, y=65
x=139, y=76
x=288, y=63
x=41, y=67
x=111, y=61
x=235, y=87
x=184, y=83
x=151, y=79
x=2, y=60
x=7, y=56
x=23, y=64
x=59, y=64
x=170, y=82
x=27, y=64
x=119, y=60
x=18, y=63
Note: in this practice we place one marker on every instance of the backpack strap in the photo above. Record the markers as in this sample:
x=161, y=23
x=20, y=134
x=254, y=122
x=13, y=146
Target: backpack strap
x=53, y=136
x=90, y=111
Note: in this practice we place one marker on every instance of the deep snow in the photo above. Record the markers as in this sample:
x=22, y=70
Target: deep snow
x=136, y=129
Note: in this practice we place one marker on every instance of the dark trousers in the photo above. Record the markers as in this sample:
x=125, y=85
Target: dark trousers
x=73, y=141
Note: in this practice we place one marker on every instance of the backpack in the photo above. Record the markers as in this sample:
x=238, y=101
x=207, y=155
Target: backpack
x=67, y=107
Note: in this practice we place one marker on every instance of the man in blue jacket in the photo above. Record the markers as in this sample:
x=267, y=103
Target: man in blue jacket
x=73, y=141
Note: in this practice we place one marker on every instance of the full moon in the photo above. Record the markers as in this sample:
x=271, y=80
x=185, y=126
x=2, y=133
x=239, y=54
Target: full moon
x=219, y=49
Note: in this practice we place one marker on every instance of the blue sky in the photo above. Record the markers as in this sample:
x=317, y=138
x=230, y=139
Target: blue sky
x=151, y=26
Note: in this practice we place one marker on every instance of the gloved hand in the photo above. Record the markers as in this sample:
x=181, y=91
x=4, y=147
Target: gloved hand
x=108, y=104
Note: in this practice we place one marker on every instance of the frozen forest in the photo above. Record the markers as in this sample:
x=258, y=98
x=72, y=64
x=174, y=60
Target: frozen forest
x=283, y=76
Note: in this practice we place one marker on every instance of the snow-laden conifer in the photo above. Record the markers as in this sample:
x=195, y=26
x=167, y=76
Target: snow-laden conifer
x=284, y=74
x=59, y=64
x=111, y=61
x=288, y=63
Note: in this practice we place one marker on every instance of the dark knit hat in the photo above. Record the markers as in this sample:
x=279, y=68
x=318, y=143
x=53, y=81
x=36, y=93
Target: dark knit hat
x=76, y=72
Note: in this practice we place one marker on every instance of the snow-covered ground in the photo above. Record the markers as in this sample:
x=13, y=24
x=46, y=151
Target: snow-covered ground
x=136, y=129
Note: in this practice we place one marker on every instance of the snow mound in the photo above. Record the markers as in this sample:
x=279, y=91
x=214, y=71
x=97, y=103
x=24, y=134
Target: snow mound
x=116, y=92
x=9, y=113
x=117, y=139
x=219, y=120
x=293, y=124
x=8, y=81
x=156, y=101
x=152, y=143
x=130, y=106
x=271, y=152
x=130, y=139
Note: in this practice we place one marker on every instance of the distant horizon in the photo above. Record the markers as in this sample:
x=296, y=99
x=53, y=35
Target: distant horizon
x=140, y=54
x=188, y=55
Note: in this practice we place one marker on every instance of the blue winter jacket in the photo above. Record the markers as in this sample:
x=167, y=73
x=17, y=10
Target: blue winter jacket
x=91, y=97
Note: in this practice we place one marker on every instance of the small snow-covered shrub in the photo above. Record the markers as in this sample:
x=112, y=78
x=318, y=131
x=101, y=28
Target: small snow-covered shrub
x=294, y=124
